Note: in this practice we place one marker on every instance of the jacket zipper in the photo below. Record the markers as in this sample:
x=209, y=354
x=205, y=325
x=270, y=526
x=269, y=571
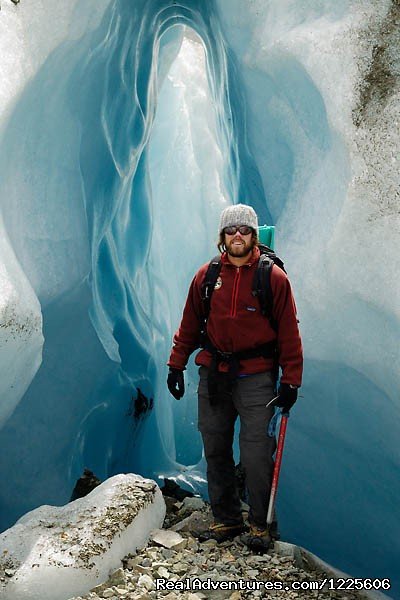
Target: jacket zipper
x=235, y=292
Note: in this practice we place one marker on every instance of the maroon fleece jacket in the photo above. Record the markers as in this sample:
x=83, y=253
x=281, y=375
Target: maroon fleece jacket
x=236, y=323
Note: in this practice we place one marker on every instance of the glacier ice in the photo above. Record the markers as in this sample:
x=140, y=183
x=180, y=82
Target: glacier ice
x=56, y=552
x=124, y=130
x=21, y=338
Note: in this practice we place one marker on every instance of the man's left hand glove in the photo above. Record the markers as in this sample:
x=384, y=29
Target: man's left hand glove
x=176, y=383
x=287, y=396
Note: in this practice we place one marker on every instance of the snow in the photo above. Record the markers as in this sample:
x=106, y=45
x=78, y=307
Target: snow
x=125, y=128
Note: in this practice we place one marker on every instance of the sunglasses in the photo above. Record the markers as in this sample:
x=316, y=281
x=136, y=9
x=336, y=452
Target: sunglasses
x=243, y=229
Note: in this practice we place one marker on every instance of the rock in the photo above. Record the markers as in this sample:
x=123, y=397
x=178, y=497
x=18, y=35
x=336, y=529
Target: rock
x=99, y=589
x=217, y=562
x=142, y=569
x=118, y=577
x=179, y=568
x=209, y=544
x=10, y=572
x=263, y=558
x=163, y=572
x=131, y=563
x=168, y=539
x=192, y=545
x=172, y=504
x=146, y=562
x=173, y=490
x=228, y=556
x=146, y=581
x=83, y=540
x=157, y=564
x=191, y=504
x=196, y=520
x=142, y=595
x=284, y=549
x=153, y=554
x=85, y=484
x=252, y=573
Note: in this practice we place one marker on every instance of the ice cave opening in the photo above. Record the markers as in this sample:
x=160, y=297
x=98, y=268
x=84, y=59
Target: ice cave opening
x=187, y=194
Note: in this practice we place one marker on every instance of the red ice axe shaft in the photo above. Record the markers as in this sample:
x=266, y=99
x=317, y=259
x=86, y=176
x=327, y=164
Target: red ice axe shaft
x=277, y=467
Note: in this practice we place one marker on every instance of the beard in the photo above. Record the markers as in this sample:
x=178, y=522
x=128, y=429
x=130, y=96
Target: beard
x=239, y=250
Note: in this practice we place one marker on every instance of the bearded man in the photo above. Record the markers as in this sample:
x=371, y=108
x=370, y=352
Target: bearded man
x=241, y=350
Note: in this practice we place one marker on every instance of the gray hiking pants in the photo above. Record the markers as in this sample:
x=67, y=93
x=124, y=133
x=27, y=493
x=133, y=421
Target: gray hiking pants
x=216, y=424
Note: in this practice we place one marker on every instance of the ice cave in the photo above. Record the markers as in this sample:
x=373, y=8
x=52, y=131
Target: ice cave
x=125, y=127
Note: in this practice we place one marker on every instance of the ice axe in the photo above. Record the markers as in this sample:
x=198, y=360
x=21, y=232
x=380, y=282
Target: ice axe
x=277, y=467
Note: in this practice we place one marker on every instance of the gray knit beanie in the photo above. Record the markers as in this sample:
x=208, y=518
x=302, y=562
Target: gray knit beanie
x=238, y=214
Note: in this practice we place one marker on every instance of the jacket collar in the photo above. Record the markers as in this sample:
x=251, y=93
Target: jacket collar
x=253, y=258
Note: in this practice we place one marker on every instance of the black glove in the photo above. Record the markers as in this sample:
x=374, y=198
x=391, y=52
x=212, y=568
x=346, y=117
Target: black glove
x=176, y=383
x=287, y=396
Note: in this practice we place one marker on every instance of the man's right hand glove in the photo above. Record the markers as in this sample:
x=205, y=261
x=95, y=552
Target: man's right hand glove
x=287, y=396
x=176, y=383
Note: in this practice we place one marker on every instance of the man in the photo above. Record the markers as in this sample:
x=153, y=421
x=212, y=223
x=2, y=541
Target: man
x=237, y=374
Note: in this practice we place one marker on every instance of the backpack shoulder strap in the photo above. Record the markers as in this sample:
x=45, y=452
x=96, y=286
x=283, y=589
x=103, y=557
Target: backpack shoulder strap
x=208, y=284
x=262, y=285
x=269, y=252
x=262, y=282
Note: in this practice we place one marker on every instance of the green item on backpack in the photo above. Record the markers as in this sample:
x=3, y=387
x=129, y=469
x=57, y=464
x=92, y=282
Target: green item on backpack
x=266, y=235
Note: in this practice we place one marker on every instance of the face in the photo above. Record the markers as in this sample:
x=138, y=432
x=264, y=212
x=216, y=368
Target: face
x=238, y=244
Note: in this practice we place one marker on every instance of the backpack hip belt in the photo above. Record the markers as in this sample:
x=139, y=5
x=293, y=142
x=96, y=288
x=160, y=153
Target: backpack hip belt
x=222, y=382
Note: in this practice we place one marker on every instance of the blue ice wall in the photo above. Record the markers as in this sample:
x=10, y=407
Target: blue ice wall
x=109, y=313
x=83, y=148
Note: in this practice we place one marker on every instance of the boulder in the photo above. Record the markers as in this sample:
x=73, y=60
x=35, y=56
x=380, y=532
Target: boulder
x=54, y=553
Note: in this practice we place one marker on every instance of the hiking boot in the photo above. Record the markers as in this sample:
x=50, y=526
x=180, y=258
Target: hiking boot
x=257, y=539
x=220, y=532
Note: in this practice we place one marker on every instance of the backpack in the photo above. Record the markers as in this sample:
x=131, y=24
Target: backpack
x=261, y=284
